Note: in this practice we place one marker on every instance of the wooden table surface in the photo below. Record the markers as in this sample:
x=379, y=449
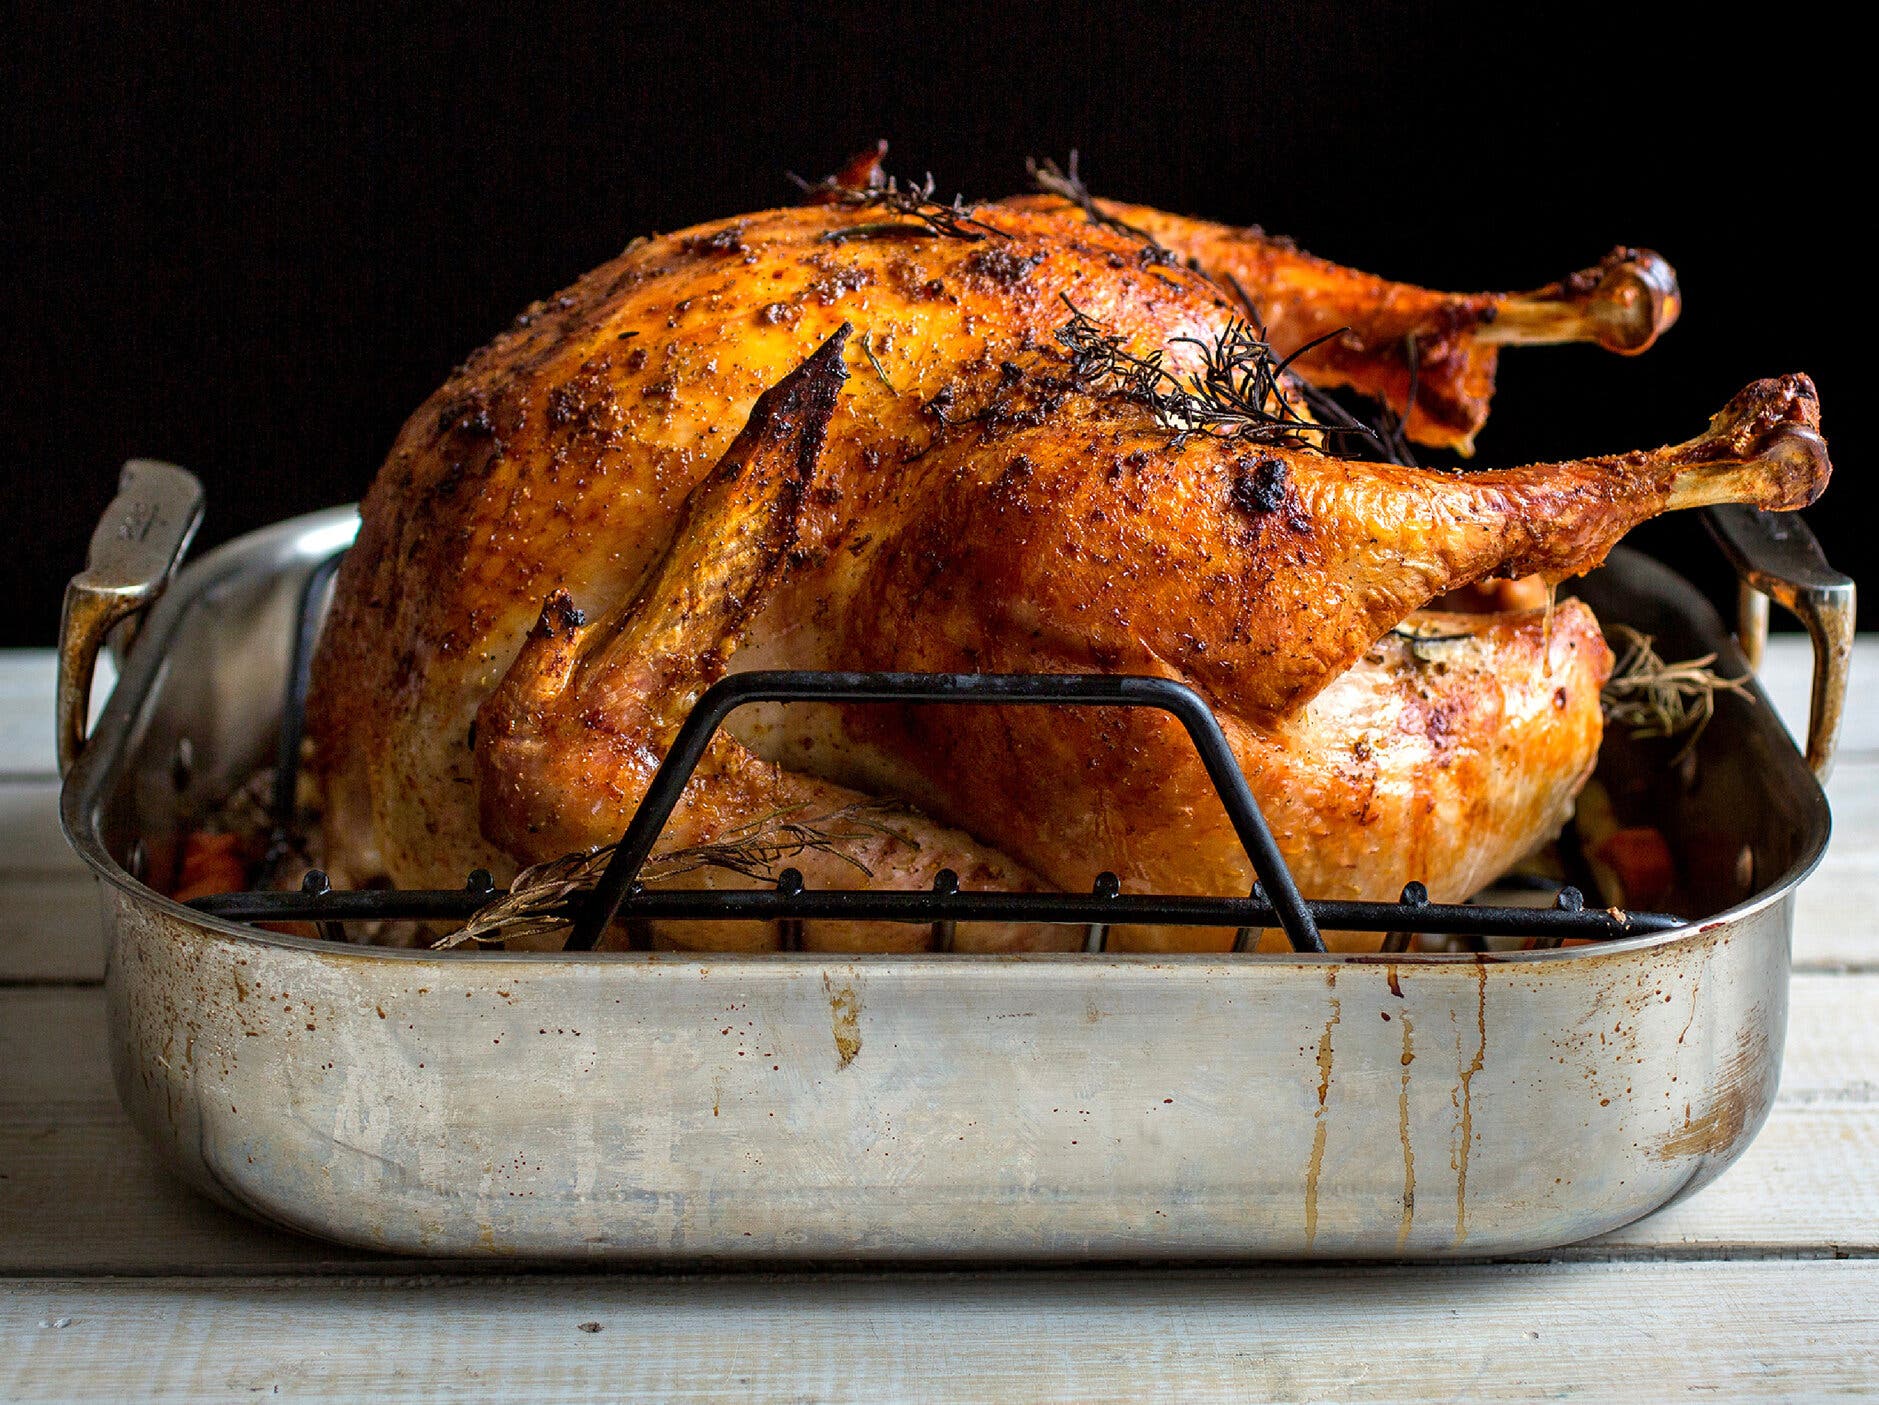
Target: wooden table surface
x=117, y=1282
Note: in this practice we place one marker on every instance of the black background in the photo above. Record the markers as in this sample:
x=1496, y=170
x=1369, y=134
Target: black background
x=253, y=245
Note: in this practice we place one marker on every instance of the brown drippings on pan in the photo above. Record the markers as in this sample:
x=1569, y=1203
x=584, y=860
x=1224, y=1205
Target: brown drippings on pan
x=845, y=1017
x=1324, y=1093
x=1716, y=1129
x=1467, y=1101
x=1402, y=1116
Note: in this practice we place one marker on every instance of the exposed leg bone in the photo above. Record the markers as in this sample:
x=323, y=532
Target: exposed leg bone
x=1623, y=304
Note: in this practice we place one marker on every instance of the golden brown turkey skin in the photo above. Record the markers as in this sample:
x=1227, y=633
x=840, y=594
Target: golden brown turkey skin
x=560, y=456
x=1086, y=543
x=565, y=455
x=1257, y=573
x=1442, y=759
x=570, y=740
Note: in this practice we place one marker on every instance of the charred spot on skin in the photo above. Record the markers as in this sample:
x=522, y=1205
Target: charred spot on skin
x=726, y=241
x=469, y=416
x=1559, y=699
x=1001, y=265
x=560, y=617
x=1258, y=484
x=838, y=283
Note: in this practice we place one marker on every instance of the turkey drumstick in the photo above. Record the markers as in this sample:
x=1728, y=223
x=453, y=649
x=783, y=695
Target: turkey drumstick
x=1259, y=573
x=1389, y=340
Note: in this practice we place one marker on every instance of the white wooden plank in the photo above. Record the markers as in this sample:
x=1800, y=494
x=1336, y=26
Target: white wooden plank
x=31, y=841
x=1488, y=1332
x=79, y=1193
x=27, y=682
x=1787, y=675
x=50, y=929
x=54, y=1053
x=1836, y=911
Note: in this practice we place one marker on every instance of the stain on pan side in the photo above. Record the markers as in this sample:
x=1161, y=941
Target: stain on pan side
x=1738, y=1095
x=845, y=1021
x=1319, y=1130
x=1402, y=1114
x=1467, y=1101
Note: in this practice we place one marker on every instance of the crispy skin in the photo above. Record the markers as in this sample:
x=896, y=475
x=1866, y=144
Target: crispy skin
x=571, y=738
x=560, y=457
x=1443, y=760
x=964, y=508
x=1394, y=340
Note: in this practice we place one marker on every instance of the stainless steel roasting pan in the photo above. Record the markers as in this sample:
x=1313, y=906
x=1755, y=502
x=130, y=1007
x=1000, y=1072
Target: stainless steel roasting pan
x=657, y=1106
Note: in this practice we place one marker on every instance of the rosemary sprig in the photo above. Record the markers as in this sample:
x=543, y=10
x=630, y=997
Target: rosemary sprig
x=916, y=201
x=1659, y=699
x=1384, y=437
x=1240, y=392
x=867, y=347
x=1053, y=179
x=1419, y=640
x=540, y=899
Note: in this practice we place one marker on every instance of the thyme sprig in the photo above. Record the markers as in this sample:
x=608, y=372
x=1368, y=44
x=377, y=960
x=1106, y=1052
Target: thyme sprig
x=1242, y=391
x=1659, y=699
x=1053, y=179
x=1384, y=437
x=916, y=201
x=540, y=898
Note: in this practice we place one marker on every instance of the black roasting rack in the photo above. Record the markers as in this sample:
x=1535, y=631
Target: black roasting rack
x=1273, y=902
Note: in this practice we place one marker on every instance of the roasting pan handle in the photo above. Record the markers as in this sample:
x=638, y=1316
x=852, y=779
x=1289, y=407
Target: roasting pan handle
x=1776, y=556
x=134, y=551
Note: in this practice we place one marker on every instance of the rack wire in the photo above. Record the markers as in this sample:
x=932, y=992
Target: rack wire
x=620, y=896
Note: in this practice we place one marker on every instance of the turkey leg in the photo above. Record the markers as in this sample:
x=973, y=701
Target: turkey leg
x=1391, y=340
x=1258, y=573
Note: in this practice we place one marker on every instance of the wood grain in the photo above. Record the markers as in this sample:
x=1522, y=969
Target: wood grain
x=1482, y=1332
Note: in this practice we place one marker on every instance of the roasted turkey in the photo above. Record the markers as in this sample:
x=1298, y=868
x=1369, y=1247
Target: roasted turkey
x=1045, y=435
